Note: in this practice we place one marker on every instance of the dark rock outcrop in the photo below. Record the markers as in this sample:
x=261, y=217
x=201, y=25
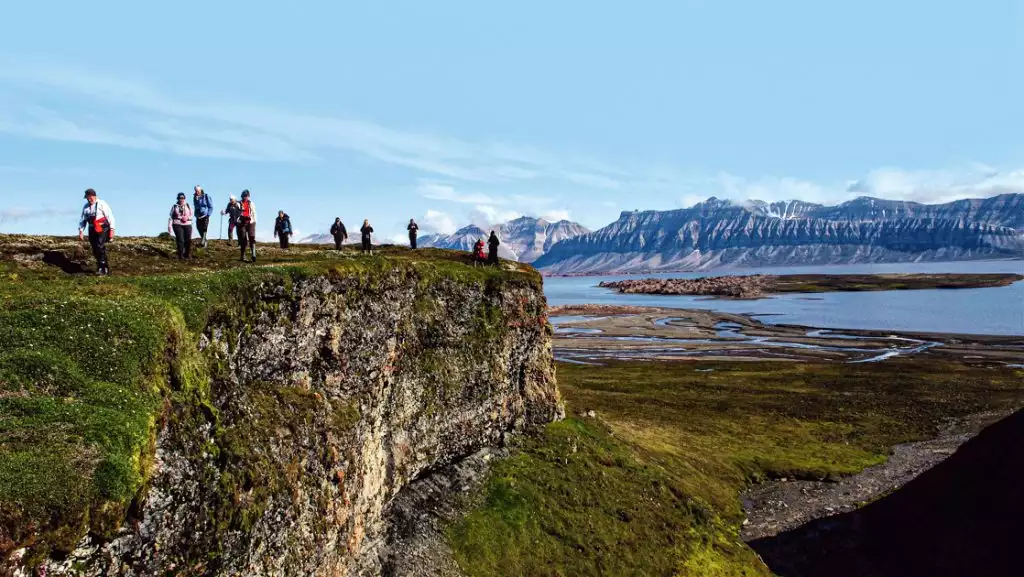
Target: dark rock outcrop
x=959, y=519
x=718, y=233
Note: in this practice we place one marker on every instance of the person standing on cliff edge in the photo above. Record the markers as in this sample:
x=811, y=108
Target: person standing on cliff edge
x=99, y=220
x=339, y=233
x=413, y=230
x=492, y=249
x=366, y=231
x=247, y=226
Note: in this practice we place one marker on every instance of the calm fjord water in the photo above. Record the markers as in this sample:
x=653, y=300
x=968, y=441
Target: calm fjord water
x=990, y=311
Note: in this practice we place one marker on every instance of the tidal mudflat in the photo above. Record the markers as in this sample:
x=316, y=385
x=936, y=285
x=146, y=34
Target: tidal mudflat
x=589, y=334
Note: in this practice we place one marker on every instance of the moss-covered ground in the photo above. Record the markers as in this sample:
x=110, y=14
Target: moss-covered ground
x=89, y=365
x=651, y=485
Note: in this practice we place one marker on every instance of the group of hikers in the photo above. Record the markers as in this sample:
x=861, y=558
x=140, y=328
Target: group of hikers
x=98, y=220
x=241, y=217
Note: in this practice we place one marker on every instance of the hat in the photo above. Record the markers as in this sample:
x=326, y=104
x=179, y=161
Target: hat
x=89, y=192
x=232, y=197
x=245, y=193
x=181, y=195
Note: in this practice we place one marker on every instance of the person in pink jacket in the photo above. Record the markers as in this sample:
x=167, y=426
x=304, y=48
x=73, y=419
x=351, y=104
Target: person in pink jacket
x=180, y=226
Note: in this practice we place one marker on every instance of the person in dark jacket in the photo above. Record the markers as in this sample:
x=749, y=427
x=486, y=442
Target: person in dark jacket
x=492, y=249
x=247, y=225
x=366, y=231
x=339, y=233
x=232, y=210
x=203, y=209
x=413, y=230
x=98, y=219
x=180, y=226
x=283, y=228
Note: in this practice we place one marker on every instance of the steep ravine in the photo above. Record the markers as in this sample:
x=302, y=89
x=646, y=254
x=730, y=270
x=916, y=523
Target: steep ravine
x=315, y=400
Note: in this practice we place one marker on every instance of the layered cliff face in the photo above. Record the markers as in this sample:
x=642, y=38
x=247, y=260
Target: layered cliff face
x=272, y=418
x=719, y=233
x=524, y=239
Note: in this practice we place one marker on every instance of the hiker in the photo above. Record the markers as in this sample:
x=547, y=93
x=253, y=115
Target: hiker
x=232, y=210
x=413, y=229
x=339, y=233
x=99, y=220
x=203, y=210
x=367, y=230
x=283, y=228
x=478, y=253
x=492, y=246
x=179, y=225
x=247, y=225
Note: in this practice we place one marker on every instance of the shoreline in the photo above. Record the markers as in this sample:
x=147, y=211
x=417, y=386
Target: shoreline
x=719, y=271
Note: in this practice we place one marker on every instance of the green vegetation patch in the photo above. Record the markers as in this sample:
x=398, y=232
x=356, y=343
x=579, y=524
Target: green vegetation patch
x=578, y=501
x=704, y=431
x=79, y=392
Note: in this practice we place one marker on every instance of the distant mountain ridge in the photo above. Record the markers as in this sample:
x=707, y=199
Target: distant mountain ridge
x=721, y=233
x=524, y=239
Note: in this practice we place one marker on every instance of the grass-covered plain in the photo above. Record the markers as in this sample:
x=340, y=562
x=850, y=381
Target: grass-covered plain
x=651, y=486
x=88, y=366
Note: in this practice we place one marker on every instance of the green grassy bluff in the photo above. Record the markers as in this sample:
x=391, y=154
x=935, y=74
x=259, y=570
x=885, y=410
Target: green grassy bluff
x=209, y=418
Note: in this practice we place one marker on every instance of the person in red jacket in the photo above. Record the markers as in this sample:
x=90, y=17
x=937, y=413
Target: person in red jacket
x=247, y=226
x=479, y=256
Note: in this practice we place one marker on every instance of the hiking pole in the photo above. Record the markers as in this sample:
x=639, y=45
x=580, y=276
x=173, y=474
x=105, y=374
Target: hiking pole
x=221, y=226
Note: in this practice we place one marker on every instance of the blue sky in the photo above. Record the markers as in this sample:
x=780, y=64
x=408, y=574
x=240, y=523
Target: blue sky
x=453, y=112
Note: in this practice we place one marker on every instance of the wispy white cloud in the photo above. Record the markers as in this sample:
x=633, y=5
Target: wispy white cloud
x=435, y=221
x=926, y=186
x=10, y=215
x=492, y=209
x=478, y=177
x=447, y=192
x=486, y=216
x=556, y=215
x=931, y=186
x=119, y=112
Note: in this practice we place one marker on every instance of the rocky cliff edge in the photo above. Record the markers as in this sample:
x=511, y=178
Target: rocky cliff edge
x=218, y=420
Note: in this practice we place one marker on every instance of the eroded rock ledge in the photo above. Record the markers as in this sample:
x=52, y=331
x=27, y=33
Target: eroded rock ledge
x=315, y=400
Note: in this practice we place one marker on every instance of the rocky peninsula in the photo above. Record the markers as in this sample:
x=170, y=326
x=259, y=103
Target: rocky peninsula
x=758, y=286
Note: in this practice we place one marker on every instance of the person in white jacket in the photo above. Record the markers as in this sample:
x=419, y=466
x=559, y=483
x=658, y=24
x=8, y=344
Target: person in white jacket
x=247, y=226
x=98, y=219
